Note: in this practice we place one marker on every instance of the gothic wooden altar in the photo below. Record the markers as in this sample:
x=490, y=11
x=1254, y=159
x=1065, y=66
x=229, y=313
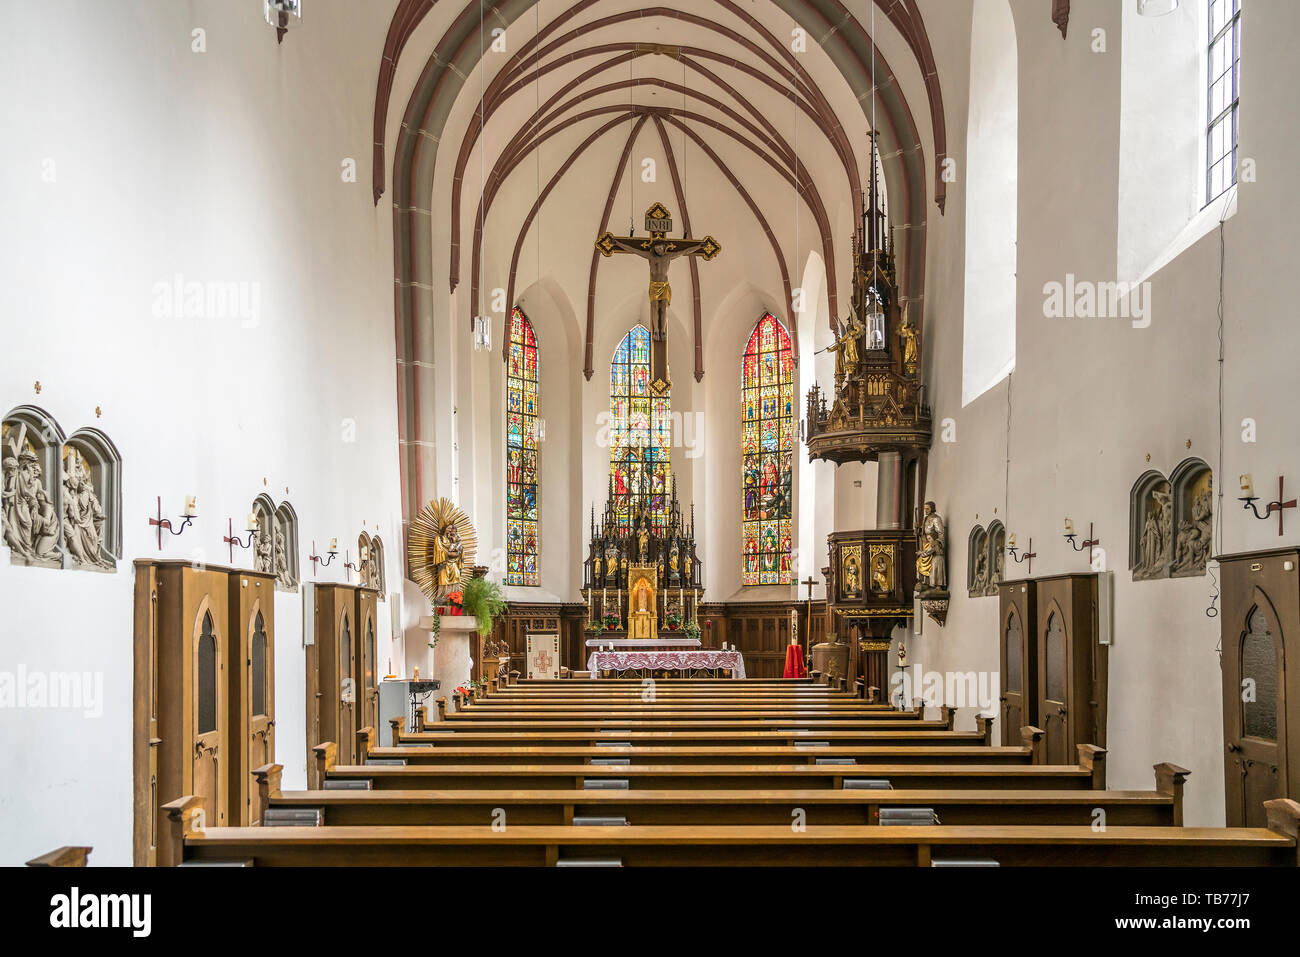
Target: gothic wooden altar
x=641, y=579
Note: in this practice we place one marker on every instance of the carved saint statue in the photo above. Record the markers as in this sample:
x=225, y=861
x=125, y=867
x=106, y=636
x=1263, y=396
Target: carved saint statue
x=611, y=559
x=595, y=568
x=852, y=576
x=880, y=575
x=673, y=558
x=931, y=565
x=643, y=543
x=907, y=338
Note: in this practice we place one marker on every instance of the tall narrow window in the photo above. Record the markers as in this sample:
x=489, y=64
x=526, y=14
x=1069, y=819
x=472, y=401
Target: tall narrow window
x=640, y=433
x=206, y=678
x=766, y=449
x=521, y=453
x=1224, y=78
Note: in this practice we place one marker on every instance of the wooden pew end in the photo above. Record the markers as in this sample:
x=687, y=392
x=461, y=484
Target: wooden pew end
x=1169, y=780
x=1284, y=818
x=949, y=715
x=187, y=817
x=327, y=755
x=984, y=725
x=365, y=737
x=62, y=857
x=1093, y=758
x=398, y=725
x=268, y=784
x=1032, y=738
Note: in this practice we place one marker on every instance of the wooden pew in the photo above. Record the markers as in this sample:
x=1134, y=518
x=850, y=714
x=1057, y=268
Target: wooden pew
x=1161, y=807
x=461, y=738
x=738, y=845
x=556, y=721
x=1090, y=773
x=640, y=756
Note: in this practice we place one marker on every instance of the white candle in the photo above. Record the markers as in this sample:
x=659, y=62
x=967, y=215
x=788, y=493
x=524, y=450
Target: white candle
x=365, y=553
x=1069, y=527
x=191, y=505
x=1247, y=486
x=334, y=544
x=252, y=522
x=1011, y=540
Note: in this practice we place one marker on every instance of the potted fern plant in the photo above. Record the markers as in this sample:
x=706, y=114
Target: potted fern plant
x=484, y=601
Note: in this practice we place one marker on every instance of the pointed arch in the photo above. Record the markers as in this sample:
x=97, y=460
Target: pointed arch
x=522, y=411
x=767, y=454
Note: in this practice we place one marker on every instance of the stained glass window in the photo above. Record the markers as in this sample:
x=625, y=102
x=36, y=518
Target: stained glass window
x=640, y=435
x=521, y=453
x=766, y=450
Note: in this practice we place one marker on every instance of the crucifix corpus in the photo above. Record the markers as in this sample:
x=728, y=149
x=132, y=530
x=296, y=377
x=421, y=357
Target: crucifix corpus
x=659, y=250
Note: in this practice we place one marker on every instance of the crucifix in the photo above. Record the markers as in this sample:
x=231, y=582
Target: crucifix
x=659, y=250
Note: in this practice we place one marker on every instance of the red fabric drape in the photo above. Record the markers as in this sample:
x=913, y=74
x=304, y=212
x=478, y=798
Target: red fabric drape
x=794, y=667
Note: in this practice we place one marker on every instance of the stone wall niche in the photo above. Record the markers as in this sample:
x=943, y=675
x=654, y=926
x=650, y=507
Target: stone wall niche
x=1151, y=526
x=91, y=471
x=378, y=578
x=284, y=550
x=30, y=446
x=977, y=562
x=997, y=551
x=264, y=540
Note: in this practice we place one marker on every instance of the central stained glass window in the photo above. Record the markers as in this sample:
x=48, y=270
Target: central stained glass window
x=640, y=434
x=766, y=450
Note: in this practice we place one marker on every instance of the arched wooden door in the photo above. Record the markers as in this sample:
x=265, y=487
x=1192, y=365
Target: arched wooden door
x=1054, y=703
x=346, y=688
x=261, y=708
x=209, y=707
x=1013, y=675
x=1254, y=719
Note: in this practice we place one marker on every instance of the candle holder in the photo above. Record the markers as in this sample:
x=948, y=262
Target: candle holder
x=231, y=539
x=1089, y=543
x=1028, y=556
x=166, y=523
x=349, y=567
x=1278, y=506
x=324, y=562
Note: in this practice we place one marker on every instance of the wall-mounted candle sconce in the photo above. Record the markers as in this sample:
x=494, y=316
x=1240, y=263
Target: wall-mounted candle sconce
x=191, y=512
x=314, y=558
x=1089, y=543
x=1249, y=497
x=231, y=539
x=1028, y=556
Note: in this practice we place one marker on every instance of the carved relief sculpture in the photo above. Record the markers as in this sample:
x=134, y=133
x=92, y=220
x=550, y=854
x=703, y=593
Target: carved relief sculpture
x=1196, y=532
x=1156, y=534
x=31, y=522
x=83, y=514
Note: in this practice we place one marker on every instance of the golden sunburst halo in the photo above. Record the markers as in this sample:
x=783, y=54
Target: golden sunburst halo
x=426, y=529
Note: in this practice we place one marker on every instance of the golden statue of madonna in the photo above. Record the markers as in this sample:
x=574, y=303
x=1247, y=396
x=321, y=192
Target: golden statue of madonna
x=442, y=548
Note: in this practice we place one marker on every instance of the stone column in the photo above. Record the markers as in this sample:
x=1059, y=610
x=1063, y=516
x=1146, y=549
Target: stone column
x=889, y=491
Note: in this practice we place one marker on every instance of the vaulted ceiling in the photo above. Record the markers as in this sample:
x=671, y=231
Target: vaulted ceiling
x=528, y=128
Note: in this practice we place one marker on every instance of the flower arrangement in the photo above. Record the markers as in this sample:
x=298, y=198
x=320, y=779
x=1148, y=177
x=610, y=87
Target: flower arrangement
x=673, y=621
x=611, y=622
x=693, y=630
x=455, y=604
x=485, y=601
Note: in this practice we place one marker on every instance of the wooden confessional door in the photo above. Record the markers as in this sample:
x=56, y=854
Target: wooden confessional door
x=1261, y=700
x=1019, y=659
x=1071, y=667
x=208, y=715
x=367, y=687
x=252, y=689
x=331, y=674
